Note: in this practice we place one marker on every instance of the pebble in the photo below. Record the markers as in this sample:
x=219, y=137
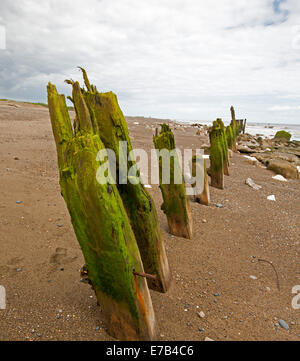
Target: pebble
x=284, y=325
x=217, y=295
x=98, y=328
x=187, y=306
x=219, y=205
x=201, y=314
x=253, y=278
x=19, y=269
x=58, y=316
x=39, y=335
x=280, y=178
x=19, y=202
x=59, y=225
x=251, y=184
x=207, y=339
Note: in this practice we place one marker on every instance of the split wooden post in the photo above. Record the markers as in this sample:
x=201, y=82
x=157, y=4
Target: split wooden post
x=100, y=223
x=175, y=201
x=110, y=124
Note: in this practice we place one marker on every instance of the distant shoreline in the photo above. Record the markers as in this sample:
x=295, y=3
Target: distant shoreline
x=265, y=129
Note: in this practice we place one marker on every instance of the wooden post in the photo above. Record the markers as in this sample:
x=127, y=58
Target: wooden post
x=234, y=128
x=245, y=124
x=176, y=204
x=100, y=223
x=216, y=156
x=198, y=169
x=224, y=147
x=229, y=137
x=110, y=124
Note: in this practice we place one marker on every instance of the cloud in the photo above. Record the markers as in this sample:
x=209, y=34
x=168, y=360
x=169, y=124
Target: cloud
x=281, y=108
x=183, y=59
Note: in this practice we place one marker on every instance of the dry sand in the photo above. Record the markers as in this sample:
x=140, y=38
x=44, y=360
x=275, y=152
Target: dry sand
x=40, y=258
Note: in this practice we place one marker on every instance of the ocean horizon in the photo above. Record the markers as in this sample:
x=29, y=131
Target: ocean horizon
x=268, y=130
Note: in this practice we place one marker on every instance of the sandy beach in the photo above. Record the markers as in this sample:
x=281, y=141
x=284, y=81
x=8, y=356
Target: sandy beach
x=219, y=272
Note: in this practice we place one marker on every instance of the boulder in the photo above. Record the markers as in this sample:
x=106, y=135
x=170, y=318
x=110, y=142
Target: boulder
x=251, y=160
x=284, y=168
x=283, y=136
x=266, y=157
x=245, y=149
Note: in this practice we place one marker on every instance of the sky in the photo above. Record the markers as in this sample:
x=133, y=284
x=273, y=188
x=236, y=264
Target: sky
x=176, y=59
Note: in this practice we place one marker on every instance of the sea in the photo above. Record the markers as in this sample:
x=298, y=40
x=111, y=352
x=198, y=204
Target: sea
x=269, y=130
x=262, y=129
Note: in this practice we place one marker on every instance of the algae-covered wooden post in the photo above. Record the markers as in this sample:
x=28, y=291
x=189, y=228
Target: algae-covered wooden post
x=175, y=201
x=216, y=156
x=201, y=185
x=224, y=147
x=100, y=223
x=110, y=124
x=234, y=128
x=229, y=137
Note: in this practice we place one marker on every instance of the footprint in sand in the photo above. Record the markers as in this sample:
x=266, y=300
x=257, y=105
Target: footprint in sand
x=60, y=257
x=15, y=261
x=12, y=267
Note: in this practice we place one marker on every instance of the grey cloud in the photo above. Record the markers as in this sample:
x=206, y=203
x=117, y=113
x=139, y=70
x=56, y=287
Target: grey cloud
x=163, y=58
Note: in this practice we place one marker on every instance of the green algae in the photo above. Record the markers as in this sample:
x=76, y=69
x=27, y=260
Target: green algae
x=175, y=202
x=99, y=220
